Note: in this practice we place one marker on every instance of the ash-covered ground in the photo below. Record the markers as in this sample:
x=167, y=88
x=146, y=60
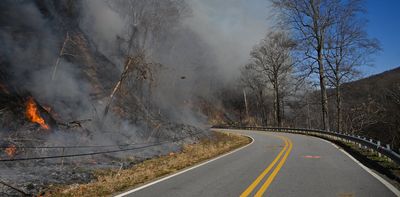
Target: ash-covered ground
x=33, y=176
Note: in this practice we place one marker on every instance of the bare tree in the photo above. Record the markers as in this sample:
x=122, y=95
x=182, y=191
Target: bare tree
x=254, y=80
x=392, y=107
x=148, y=21
x=310, y=21
x=362, y=115
x=348, y=47
x=272, y=58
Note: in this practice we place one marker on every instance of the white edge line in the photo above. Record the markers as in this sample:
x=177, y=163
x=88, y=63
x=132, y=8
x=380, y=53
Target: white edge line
x=185, y=170
x=382, y=180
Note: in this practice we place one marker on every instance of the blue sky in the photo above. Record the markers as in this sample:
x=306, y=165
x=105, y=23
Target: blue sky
x=384, y=24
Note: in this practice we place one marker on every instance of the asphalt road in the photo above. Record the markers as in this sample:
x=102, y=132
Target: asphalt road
x=275, y=164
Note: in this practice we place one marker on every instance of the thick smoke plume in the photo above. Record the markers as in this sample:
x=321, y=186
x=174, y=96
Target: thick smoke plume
x=113, y=73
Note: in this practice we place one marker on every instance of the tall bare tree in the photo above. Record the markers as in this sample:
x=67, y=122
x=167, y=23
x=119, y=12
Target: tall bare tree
x=348, y=47
x=272, y=57
x=310, y=21
x=147, y=20
x=255, y=81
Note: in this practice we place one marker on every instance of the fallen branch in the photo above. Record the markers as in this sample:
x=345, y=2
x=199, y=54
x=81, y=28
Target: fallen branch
x=75, y=123
x=59, y=57
x=116, y=87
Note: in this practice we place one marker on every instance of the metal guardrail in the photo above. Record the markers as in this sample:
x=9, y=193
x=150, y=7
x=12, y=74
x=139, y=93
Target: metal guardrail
x=364, y=142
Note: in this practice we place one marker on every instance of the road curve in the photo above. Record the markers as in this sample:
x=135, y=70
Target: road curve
x=275, y=164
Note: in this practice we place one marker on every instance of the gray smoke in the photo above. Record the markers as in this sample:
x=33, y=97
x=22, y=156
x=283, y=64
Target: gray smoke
x=231, y=28
x=200, y=48
x=197, y=45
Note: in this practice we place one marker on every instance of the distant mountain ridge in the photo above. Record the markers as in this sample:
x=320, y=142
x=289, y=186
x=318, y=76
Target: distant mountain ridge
x=372, y=105
x=380, y=79
x=371, y=86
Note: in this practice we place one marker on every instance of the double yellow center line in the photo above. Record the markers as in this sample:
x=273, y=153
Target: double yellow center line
x=282, y=159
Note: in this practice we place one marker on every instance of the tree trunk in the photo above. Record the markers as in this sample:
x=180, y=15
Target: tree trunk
x=308, y=115
x=246, y=104
x=278, y=106
x=265, y=114
x=319, y=34
x=338, y=108
x=283, y=110
x=263, y=111
x=324, y=95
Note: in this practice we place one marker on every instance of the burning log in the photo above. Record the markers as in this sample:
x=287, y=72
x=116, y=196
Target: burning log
x=33, y=115
x=37, y=114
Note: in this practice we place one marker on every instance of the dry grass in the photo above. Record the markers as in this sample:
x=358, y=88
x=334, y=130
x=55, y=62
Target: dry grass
x=112, y=181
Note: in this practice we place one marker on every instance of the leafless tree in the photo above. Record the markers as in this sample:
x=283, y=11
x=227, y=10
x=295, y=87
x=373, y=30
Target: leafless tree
x=361, y=115
x=391, y=115
x=147, y=20
x=348, y=47
x=310, y=21
x=254, y=81
x=272, y=58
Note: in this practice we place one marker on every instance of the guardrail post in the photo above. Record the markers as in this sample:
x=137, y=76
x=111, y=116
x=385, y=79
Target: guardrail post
x=379, y=145
x=364, y=138
x=388, y=147
x=372, y=141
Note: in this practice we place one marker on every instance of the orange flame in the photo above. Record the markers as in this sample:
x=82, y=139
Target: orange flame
x=11, y=150
x=33, y=115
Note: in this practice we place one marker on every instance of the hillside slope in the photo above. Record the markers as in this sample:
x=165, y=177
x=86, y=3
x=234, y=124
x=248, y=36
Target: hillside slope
x=371, y=106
